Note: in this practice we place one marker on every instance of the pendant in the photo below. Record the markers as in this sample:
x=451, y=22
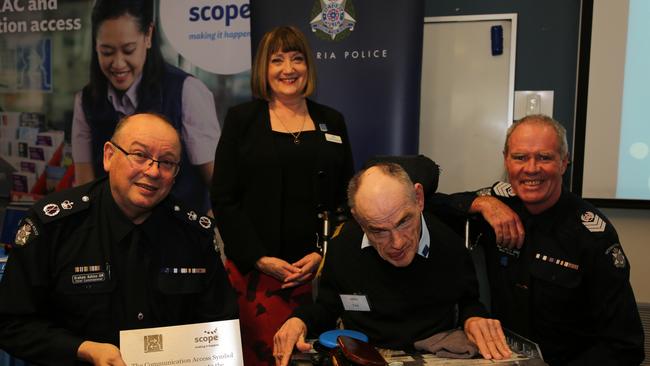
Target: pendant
x=296, y=141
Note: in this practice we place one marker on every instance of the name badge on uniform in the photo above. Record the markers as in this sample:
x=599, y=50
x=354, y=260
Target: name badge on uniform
x=83, y=275
x=355, y=302
x=511, y=252
x=86, y=278
x=333, y=138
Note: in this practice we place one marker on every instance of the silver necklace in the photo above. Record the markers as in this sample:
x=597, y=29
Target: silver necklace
x=296, y=135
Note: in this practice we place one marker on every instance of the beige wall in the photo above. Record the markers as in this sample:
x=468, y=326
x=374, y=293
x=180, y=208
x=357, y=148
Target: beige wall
x=633, y=227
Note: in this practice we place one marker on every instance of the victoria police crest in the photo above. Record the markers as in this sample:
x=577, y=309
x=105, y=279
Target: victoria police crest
x=332, y=19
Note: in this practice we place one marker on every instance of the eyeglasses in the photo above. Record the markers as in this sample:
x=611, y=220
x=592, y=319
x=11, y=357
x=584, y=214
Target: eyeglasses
x=142, y=160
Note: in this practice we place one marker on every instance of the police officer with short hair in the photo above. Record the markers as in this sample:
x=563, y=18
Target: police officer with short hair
x=115, y=254
x=558, y=274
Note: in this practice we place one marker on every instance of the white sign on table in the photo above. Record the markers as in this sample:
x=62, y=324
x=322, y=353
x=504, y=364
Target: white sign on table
x=206, y=344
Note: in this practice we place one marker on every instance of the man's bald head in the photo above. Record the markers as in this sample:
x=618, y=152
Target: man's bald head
x=380, y=176
x=388, y=207
x=144, y=121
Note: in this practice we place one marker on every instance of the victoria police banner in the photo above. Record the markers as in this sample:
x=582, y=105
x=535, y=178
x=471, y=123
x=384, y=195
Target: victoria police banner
x=368, y=57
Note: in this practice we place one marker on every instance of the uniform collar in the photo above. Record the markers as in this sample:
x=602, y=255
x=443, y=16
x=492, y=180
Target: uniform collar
x=120, y=226
x=127, y=104
x=151, y=227
x=545, y=220
x=424, y=247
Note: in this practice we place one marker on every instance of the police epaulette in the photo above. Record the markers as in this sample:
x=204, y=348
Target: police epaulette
x=503, y=189
x=62, y=204
x=592, y=221
x=191, y=217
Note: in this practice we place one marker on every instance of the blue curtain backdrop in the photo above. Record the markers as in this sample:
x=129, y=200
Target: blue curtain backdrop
x=368, y=61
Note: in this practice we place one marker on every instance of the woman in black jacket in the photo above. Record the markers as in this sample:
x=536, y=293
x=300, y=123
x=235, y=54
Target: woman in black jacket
x=280, y=161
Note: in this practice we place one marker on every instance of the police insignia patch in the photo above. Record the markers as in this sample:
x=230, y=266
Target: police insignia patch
x=25, y=233
x=587, y=216
x=503, y=189
x=332, y=19
x=205, y=222
x=51, y=209
x=618, y=257
x=593, y=222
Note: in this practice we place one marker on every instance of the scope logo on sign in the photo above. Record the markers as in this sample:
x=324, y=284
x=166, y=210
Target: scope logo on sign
x=218, y=12
x=213, y=35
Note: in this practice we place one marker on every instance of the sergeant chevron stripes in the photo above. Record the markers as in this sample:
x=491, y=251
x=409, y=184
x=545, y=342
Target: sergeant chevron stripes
x=503, y=189
x=593, y=222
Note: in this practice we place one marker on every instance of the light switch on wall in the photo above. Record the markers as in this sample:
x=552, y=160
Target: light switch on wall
x=533, y=103
x=529, y=102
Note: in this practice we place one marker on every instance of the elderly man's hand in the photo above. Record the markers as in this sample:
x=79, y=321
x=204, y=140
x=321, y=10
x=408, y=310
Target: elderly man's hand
x=100, y=354
x=506, y=223
x=292, y=333
x=488, y=337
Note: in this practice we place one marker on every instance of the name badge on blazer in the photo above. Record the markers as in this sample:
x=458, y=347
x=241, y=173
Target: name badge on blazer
x=333, y=138
x=355, y=302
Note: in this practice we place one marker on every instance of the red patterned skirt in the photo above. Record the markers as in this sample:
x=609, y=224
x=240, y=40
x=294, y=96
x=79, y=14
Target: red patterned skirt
x=263, y=308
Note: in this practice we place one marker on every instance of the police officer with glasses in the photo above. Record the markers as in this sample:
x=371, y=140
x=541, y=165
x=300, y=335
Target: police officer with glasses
x=118, y=253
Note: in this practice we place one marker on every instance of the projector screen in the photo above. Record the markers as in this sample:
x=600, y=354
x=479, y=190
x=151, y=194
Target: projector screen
x=617, y=126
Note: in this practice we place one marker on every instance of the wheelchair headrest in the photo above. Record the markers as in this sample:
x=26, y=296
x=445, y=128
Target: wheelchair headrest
x=420, y=169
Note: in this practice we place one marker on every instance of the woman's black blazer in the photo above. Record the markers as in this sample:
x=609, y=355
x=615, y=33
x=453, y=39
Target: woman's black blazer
x=247, y=182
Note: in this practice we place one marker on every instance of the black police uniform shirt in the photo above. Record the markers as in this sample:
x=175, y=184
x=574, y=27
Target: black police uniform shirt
x=80, y=270
x=568, y=287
